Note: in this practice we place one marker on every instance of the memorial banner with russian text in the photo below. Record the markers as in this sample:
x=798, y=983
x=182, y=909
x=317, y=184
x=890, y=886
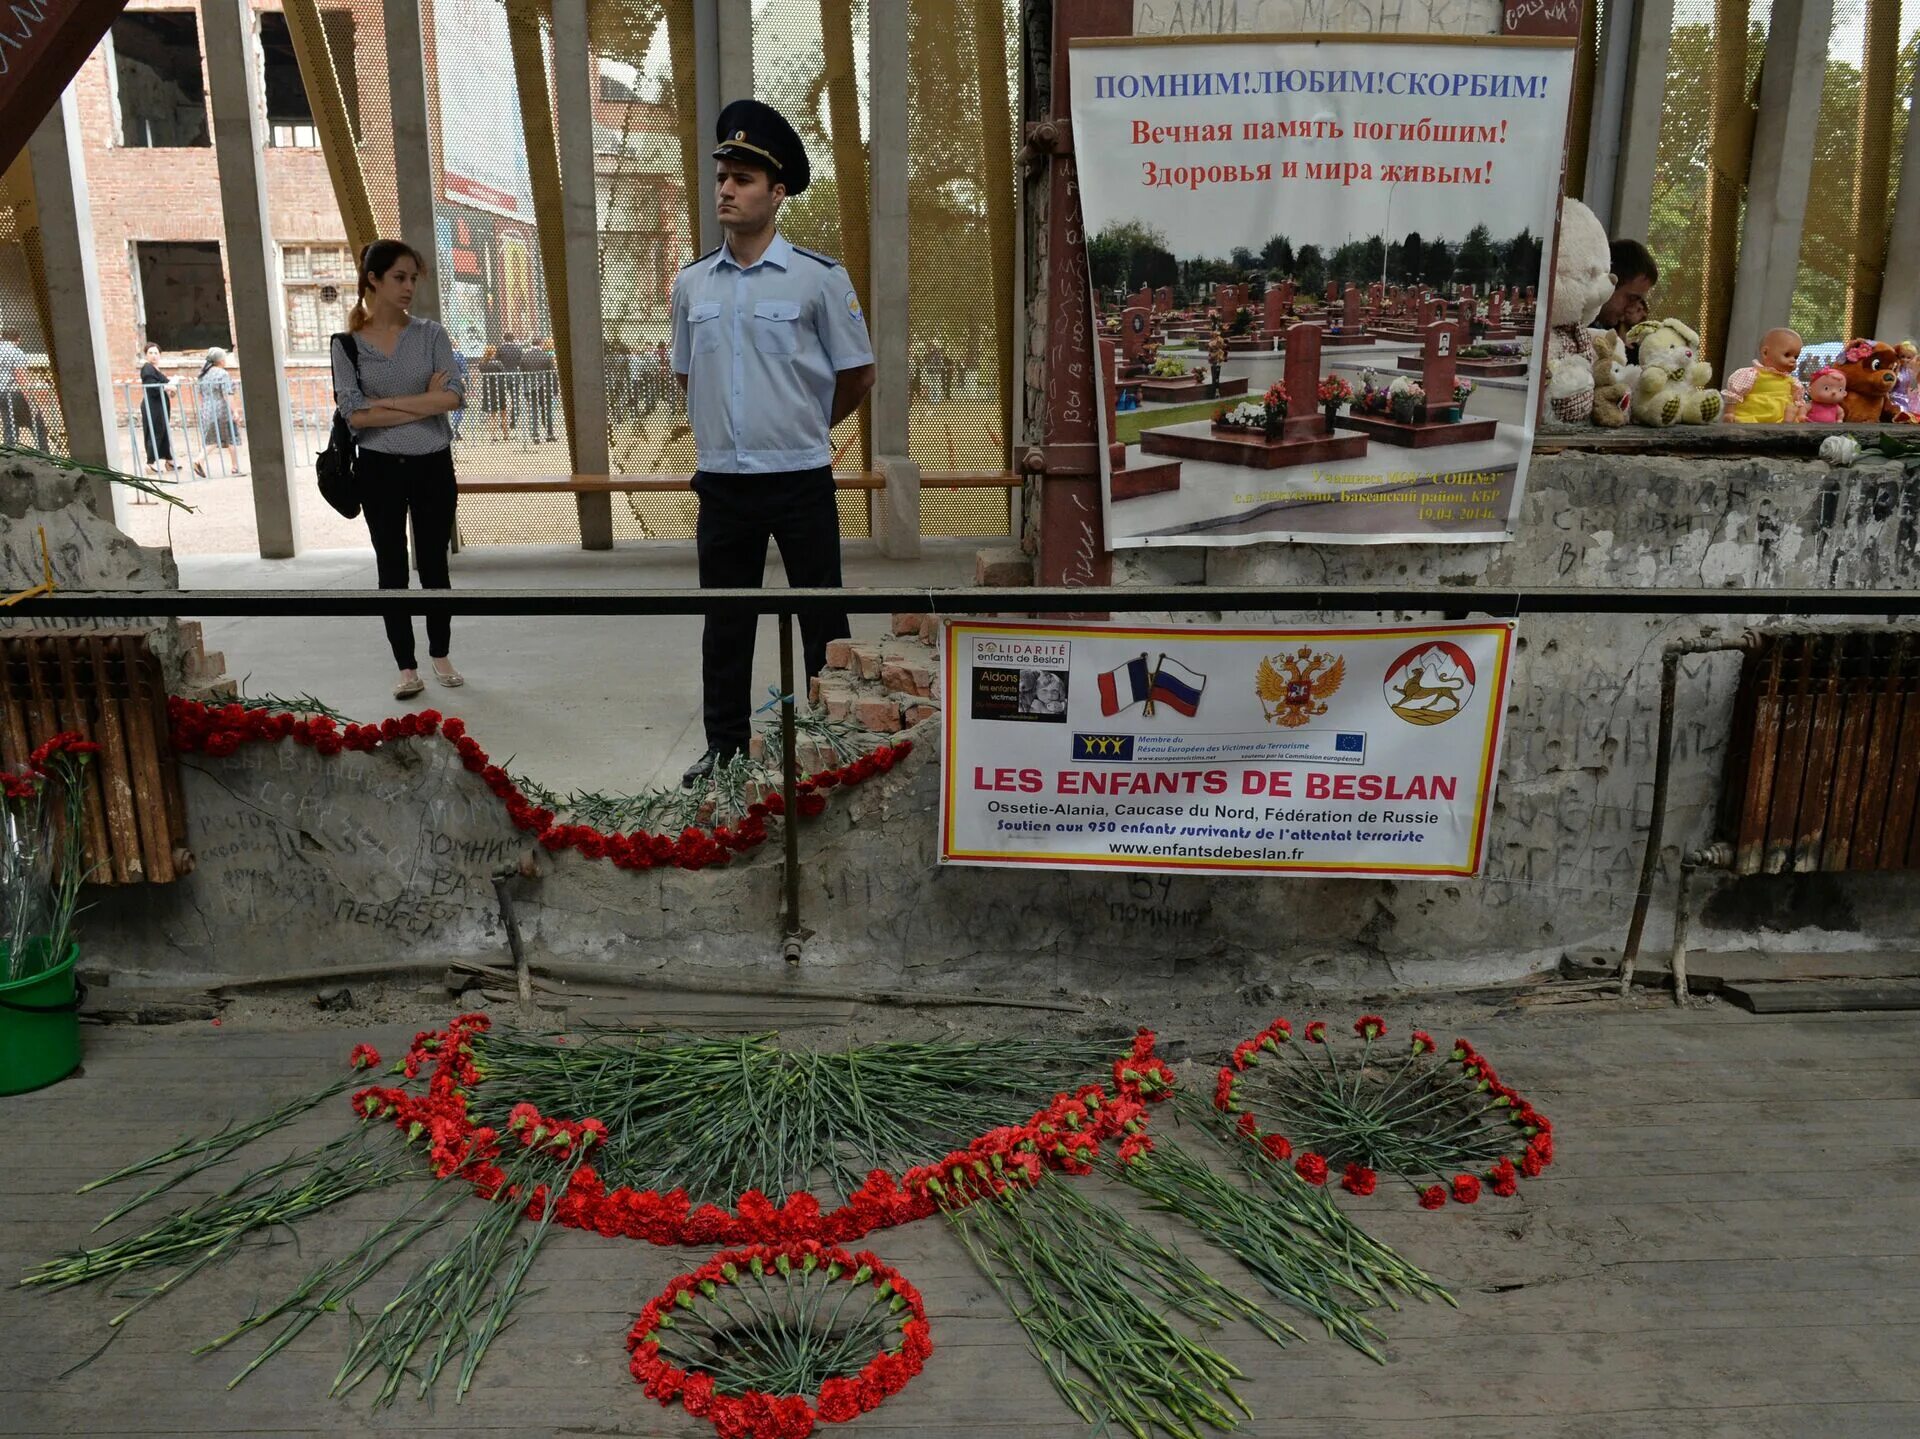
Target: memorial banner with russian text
x=1319, y=268
x=1360, y=751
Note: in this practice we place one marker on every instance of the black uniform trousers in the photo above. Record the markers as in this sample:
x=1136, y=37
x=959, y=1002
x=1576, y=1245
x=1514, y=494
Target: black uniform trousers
x=392, y=489
x=738, y=514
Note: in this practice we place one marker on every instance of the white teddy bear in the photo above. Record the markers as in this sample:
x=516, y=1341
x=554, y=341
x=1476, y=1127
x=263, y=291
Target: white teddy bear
x=1582, y=283
x=1674, y=387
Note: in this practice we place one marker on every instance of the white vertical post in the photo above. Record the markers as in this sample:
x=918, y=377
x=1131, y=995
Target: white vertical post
x=239, y=150
x=899, y=515
x=1900, y=298
x=735, y=26
x=1609, y=107
x=1641, y=115
x=1792, y=77
x=708, y=102
x=78, y=344
x=575, y=85
x=413, y=143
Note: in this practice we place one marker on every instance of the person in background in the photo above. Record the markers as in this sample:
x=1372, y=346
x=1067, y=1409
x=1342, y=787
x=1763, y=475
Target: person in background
x=514, y=388
x=1635, y=273
x=218, y=428
x=770, y=345
x=155, y=412
x=460, y=379
x=493, y=394
x=542, y=374
x=397, y=398
x=16, y=411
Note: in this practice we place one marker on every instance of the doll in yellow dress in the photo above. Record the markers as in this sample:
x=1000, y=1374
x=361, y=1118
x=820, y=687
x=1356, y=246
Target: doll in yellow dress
x=1767, y=392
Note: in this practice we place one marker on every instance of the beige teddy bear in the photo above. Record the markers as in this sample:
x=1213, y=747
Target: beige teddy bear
x=1674, y=387
x=1613, y=379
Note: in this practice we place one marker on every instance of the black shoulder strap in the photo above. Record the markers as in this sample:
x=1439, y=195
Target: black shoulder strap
x=352, y=348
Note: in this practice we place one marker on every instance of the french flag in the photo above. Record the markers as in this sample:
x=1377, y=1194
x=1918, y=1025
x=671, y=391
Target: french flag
x=1174, y=684
x=1124, y=687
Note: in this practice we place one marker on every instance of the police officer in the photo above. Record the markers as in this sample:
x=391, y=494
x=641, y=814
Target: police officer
x=771, y=348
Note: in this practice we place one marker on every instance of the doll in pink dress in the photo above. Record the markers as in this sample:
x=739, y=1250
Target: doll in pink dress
x=1825, y=391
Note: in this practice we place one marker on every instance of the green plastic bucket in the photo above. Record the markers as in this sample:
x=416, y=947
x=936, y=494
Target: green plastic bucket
x=39, y=1026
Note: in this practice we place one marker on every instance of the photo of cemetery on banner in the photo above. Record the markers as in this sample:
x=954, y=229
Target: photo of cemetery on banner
x=1318, y=269
x=1358, y=751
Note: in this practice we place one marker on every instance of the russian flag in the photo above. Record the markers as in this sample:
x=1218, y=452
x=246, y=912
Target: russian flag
x=1174, y=684
x=1124, y=687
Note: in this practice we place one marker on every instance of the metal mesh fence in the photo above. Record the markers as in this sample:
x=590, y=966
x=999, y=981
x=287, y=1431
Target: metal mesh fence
x=1677, y=232
x=955, y=153
x=29, y=402
x=1854, y=110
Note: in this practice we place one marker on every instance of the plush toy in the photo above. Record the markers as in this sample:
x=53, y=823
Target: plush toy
x=1767, y=392
x=1613, y=379
x=1826, y=393
x=1582, y=283
x=1673, y=384
x=1906, y=389
x=1872, y=370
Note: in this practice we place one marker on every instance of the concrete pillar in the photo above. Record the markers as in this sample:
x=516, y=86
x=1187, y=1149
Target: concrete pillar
x=1642, y=112
x=897, y=516
x=735, y=24
x=575, y=85
x=1791, y=78
x=239, y=149
x=707, y=106
x=1609, y=105
x=1900, y=299
x=412, y=142
x=76, y=337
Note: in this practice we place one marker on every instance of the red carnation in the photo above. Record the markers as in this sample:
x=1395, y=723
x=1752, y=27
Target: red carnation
x=1370, y=1026
x=1423, y=1042
x=1278, y=1146
x=1317, y=1032
x=1223, y=1090
x=1358, y=1179
x=1249, y=1125
x=1312, y=1168
x=1503, y=1179
x=1434, y=1196
x=1466, y=1189
x=364, y=1056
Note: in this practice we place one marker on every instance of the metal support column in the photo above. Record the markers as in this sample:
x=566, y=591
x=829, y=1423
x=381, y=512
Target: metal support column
x=1641, y=112
x=1609, y=106
x=897, y=517
x=338, y=144
x=586, y=374
x=707, y=105
x=413, y=143
x=1871, y=169
x=1900, y=298
x=239, y=150
x=1791, y=78
x=850, y=170
x=76, y=339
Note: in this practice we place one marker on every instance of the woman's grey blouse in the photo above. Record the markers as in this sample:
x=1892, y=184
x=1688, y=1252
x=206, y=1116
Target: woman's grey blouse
x=424, y=348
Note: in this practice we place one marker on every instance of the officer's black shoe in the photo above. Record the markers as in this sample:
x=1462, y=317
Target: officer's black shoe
x=702, y=769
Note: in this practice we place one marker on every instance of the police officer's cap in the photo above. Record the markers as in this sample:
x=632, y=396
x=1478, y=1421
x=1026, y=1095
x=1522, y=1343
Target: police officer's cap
x=754, y=131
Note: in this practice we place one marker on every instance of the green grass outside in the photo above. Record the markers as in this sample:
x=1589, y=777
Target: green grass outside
x=1130, y=424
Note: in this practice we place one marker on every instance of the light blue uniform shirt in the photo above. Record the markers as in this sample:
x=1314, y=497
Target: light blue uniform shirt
x=760, y=347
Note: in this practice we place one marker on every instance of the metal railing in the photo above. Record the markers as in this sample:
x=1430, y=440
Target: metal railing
x=517, y=408
x=1088, y=602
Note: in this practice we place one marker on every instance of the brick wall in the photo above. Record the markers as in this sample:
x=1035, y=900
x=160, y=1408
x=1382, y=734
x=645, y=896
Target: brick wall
x=174, y=194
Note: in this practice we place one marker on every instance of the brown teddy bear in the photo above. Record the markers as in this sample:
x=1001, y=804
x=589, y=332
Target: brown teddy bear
x=1872, y=370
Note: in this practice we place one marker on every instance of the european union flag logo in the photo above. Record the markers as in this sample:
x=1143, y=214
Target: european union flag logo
x=1114, y=748
x=1350, y=743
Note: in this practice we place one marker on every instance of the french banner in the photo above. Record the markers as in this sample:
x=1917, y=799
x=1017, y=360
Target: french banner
x=1314, y=751
x=1319, y=269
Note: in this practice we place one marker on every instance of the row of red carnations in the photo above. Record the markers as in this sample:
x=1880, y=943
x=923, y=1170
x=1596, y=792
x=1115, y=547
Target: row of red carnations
x=1067, y=1135
x=753, y=1414
x=221, y=730
x=1503, y=1178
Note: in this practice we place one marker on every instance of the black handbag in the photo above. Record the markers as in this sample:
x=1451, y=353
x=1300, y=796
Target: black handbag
x=338, y=465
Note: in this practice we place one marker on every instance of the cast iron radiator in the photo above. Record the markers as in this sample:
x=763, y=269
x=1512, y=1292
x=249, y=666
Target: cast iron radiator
x=1823, y=768
x=106, y=684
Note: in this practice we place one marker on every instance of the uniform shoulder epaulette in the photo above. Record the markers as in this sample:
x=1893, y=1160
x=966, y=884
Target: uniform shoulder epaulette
x=826, y=260
x=708, y=256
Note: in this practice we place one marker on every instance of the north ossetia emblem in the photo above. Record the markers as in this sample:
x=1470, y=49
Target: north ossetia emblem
x=1297, y=691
